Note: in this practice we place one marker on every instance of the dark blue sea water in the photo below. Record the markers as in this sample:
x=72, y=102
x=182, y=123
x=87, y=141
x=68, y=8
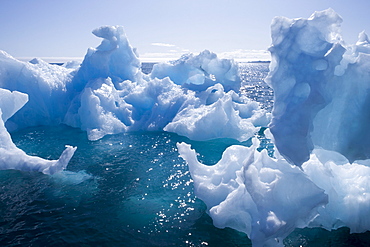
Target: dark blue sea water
x=127, y=190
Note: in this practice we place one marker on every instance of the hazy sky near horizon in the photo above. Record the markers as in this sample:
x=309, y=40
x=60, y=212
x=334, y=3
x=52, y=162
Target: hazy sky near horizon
x=49, y=28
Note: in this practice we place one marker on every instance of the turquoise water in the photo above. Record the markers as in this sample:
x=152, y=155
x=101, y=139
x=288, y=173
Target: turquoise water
x=124, y=190
x=127, y=190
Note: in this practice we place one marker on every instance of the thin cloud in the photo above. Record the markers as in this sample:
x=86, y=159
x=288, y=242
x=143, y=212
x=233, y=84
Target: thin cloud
x=163, y=44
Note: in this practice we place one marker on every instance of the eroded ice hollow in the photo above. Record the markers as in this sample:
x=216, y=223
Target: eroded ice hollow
x=319, y=127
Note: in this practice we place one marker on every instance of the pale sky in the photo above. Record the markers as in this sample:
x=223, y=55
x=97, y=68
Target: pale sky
x=62, y=28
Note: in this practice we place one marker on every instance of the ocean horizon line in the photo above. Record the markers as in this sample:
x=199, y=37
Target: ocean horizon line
x=62, y=60
x=238, y=56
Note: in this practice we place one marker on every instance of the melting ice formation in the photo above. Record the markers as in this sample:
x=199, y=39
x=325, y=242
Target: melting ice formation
x=12, y=157
x=321, y=88
x=319, y=122
x=319, y=127
x=194, y=96
x=108, y=94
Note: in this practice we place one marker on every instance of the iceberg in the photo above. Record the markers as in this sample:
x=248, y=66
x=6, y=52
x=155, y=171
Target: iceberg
x=218, y=114
x=320, y=86
x=346, y=184
x=45, y=85
x=12, y=157
x=267, y=198
x=200, y=72
x=319, y=175
x=114, y=58
x=109, y=94
x=253, y=193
